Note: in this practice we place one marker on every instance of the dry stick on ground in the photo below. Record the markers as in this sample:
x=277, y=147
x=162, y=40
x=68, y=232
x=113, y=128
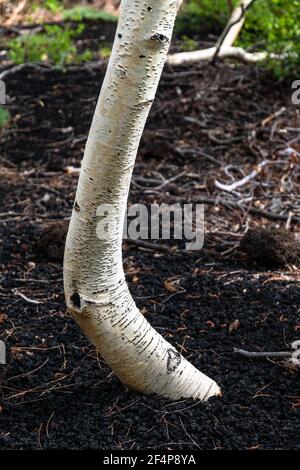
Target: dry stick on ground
x=196, y=151
x=150, y=245
x=27, y=299
x=165, y=183
x=230, y=188
x=252, y=354
x=272, y=116
x=41, y=66
x=224, y=46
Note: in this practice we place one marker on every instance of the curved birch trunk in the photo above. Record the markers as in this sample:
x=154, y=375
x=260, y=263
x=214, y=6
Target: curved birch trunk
x=95, y=287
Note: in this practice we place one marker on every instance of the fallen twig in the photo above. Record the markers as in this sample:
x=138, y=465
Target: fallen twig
x=275, y=115
x=252, y=354
x=20, y=67
x=150, y=246
x=237, y=184
x=24, y=297
x=197, y=151
x=166, y=182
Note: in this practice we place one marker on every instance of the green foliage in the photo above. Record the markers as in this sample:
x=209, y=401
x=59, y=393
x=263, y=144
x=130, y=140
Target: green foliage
x=197, y=16
x=81, y=13
x=271, y=25
x=188, y=44
x=55, y=45
x=4, y=117
x=105, y=51
x=53, y=5
x=274, y=26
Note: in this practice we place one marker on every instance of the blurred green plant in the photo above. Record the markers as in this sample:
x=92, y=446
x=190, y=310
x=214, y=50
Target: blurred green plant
x=274, y=26
x=105, y=51
x=53, y=5
x=55, y=45
x=4, y=117
x=271, y=25
x=81, y=13
x=188, y=44
x=198, y=16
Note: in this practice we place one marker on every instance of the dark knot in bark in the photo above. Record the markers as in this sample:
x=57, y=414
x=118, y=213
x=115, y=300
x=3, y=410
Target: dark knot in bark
x=159, y=38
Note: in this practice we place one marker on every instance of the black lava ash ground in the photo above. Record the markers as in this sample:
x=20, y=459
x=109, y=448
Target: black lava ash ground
x=57, y=392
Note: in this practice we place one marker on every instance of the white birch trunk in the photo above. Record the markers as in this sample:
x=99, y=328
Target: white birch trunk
x=95, y=287
x=235, y=23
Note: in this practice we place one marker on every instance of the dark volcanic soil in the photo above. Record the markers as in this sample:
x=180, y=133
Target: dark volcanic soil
x=57, y=392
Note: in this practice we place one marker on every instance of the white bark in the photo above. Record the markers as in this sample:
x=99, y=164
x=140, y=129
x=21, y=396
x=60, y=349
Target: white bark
x=235, y=24
x=224, y=46
x=95, y=287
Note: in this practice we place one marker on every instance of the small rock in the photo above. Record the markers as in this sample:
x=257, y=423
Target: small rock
x=270, y=247
x=51, y=242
